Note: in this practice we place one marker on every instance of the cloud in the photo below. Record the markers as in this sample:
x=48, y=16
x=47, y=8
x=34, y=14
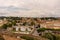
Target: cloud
x=30, y=8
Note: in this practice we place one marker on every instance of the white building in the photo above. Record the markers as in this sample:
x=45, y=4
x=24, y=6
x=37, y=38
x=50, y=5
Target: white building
x=23, y=29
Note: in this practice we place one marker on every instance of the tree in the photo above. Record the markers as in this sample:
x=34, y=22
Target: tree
x=32, y=23
x=49, y=36
x=9, y=25
x=4, y=26
x=14, y=23
x=24, y=23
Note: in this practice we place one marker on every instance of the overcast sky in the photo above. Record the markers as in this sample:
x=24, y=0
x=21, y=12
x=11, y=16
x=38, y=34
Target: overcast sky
x=30, y=8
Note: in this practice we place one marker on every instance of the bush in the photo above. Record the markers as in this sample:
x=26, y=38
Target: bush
x=57, y=37
x=41, y=29
x=1, y=39
x=27, y=37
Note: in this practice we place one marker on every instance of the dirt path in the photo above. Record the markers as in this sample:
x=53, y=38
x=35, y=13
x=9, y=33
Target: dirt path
x=6, y=37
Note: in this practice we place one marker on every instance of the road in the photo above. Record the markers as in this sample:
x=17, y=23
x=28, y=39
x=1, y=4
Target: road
x=35, y=33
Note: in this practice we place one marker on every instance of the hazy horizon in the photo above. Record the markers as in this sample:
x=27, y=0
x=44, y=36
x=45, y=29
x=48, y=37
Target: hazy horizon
x=30, y=8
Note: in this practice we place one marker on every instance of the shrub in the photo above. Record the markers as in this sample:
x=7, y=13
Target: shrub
x=27, y=37
x=41, y=29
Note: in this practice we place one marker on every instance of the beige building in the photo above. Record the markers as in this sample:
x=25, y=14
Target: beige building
x=51, y=24
x=3, y=22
